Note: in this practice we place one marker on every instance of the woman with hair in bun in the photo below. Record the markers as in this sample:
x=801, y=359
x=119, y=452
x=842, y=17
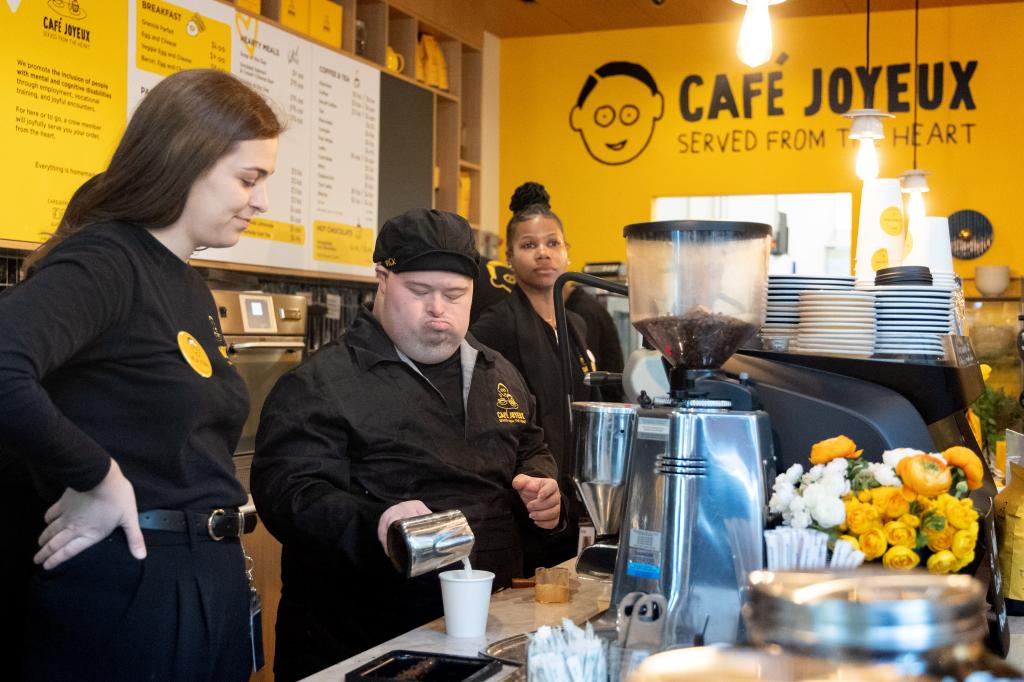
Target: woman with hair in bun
x=523, y=329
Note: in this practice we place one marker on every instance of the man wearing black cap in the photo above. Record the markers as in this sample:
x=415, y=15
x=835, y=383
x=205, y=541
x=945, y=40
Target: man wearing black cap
x=402, y=416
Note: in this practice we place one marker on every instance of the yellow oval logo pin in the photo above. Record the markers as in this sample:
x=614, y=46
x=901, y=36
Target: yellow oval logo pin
x=194, y=355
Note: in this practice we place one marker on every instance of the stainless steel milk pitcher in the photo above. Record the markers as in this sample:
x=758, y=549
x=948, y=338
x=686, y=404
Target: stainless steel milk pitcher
x=420, y=544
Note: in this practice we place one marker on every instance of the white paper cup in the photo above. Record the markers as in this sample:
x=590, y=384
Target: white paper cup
x=466, y=602
x=880, y=233
x=940, y=255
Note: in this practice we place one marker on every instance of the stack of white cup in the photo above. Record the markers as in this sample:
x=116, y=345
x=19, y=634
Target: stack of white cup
x=930, y=248
x=880, y=233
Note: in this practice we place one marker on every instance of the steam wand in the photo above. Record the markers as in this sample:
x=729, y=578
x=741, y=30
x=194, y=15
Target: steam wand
x=564, y=349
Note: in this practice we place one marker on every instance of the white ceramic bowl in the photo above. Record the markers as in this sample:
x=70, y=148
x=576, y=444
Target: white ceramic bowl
x=992, y=280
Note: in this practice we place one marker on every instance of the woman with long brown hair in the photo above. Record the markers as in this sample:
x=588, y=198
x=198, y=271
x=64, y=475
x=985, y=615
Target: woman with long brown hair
x=117, y=392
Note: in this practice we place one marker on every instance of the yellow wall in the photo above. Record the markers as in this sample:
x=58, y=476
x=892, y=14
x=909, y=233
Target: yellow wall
x=542, y=77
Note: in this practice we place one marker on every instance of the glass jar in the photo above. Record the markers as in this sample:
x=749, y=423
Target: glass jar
x=914, y=624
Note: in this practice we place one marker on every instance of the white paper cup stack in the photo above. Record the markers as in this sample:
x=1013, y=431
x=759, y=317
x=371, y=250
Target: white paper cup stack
x=880, y=233
x=929, y=246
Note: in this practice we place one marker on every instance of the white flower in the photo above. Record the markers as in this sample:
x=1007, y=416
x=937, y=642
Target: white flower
x=782, y=494
x=813, y=475
x=834, y=487
x=793, y=473
x=892, y=457
x=836, y=468
x=884, y=474
x=800, y=519
x=828, y=512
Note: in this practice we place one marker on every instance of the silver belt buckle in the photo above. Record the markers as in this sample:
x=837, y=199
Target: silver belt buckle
x=209, y=524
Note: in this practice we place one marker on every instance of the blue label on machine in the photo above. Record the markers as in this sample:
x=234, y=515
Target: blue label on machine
x=638, y=570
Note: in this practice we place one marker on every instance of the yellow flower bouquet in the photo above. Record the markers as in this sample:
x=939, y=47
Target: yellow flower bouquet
x=912, y=508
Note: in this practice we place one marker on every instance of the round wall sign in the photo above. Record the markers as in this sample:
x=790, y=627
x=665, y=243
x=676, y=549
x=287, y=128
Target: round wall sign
x=970, y=234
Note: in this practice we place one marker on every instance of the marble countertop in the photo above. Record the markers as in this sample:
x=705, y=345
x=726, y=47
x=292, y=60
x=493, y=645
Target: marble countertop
x=512, y=612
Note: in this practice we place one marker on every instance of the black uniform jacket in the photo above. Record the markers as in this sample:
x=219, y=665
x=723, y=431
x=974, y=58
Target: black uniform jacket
x=355, y=430
x=515, y=330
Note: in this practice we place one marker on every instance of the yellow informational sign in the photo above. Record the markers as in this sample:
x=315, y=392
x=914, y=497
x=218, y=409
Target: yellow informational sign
x=620, y=118
x=62, y=75
x=277, y=231
x=340, y=243
x=169, y=39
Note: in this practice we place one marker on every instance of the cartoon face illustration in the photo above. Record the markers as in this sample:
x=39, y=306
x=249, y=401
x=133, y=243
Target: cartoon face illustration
x=616, y=111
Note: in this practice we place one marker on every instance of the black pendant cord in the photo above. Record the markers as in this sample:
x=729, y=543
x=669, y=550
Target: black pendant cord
x=917, y=82
x=869, y=99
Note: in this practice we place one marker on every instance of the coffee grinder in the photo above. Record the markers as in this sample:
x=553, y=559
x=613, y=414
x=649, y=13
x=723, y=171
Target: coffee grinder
x=700, y=459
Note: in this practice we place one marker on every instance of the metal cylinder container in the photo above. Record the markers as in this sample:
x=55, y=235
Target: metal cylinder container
x=603, y=439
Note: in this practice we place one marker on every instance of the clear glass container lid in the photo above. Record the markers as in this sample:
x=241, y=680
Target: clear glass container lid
x=697, y=288
x=874, y=612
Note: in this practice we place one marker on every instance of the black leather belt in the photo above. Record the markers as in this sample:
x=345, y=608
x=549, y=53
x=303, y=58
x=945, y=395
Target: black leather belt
x=218, y=524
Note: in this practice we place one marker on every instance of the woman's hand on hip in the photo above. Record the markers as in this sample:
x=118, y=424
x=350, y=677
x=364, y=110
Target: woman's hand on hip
x=79, y=520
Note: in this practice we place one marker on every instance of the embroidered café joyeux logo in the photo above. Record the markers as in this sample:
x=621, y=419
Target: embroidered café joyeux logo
x=508, y=407
x=248, y=29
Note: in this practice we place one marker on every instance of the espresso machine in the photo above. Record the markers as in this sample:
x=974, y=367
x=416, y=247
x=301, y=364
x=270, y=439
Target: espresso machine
x=677, y=480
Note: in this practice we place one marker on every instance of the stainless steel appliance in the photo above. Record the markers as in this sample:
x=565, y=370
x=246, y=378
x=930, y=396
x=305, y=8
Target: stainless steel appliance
x=265, y=337
x=603, y=437
x=705, y=451
x=696, y=489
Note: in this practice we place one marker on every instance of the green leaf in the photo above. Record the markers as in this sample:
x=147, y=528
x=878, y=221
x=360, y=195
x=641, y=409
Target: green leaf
x=933, y=521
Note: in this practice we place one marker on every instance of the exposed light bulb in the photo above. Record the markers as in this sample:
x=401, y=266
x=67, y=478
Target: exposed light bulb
x=867, y=159
x=915, y=206
x=866, y=127
x=754, y=46
x=915, y=184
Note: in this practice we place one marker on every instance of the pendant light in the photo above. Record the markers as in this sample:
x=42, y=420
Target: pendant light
x=914, y=182
x=754, y=46
x=866, y=125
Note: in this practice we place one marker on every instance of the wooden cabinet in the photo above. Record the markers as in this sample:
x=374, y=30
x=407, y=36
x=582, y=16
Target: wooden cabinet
x=266, y=566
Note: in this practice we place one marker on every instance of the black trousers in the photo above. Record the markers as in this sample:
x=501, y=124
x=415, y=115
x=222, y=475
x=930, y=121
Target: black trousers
x=180, y=614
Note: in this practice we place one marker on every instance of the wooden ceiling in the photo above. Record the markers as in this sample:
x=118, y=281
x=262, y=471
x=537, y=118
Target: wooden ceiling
x=515, y=18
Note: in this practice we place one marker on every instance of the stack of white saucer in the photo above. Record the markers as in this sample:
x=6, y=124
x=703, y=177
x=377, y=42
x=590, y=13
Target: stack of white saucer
x=911, y=320
x=837, y=323
x=783, y=313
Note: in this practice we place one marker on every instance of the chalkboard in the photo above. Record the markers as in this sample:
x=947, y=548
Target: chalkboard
x=406, y=148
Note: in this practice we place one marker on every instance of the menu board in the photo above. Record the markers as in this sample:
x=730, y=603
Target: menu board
x=345, y=129
x=61, y=72
x=323, y=193
x=65, y=63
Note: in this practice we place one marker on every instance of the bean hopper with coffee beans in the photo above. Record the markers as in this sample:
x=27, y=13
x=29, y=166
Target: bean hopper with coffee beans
x=679, y=479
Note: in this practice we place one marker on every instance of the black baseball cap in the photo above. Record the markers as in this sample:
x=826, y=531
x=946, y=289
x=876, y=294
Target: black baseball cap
x=425, y=239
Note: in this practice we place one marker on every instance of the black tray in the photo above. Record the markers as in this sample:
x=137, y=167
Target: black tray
x=425, y=667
